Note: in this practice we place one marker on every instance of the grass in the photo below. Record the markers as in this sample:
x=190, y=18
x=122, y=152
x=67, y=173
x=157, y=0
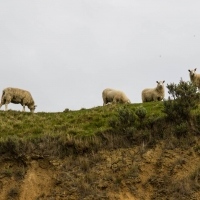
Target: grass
x=87, y=130
x=80, y=134
x=84, y=122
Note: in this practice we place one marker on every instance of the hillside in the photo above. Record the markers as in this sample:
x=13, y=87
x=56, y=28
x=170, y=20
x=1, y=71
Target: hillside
x=105, y=152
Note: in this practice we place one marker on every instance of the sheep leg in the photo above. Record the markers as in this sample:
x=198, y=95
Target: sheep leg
x=6, y=107
x=23, y=108
x=114, y=100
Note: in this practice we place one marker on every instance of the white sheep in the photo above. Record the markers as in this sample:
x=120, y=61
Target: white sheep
x=195, y=78
x=154, y=94
x=16, y=96
x=114, y=96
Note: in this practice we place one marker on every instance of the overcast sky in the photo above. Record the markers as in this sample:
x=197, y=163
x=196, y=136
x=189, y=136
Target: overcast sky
x=66, y=52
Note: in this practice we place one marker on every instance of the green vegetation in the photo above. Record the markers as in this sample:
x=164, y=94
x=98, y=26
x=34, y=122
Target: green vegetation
x=111, y=126
x=183, y=98
x=84, y=135
x=85, y=122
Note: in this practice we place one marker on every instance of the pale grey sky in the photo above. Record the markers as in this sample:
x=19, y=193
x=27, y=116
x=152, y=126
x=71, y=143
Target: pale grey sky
x=66, y=52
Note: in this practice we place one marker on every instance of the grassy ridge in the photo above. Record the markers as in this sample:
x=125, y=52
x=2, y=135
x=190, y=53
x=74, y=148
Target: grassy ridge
x=84, y=122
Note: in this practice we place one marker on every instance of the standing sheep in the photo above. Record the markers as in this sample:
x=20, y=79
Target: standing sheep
x=195, y=78
x=154, y=94
x=116, y=96
x=16, y=96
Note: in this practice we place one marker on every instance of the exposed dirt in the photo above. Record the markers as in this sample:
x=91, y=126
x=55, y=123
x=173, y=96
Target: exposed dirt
x=121, y=174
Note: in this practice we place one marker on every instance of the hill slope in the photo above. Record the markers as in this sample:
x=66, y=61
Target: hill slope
x=91, y=154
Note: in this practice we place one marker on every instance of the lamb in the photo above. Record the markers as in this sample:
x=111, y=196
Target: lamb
x=16, y=96
x=154, y=94
x=195, y=78
x=114, y=96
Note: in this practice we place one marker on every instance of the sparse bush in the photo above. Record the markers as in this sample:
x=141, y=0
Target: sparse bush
x=84, y=163
x=181, y=129
x=118, y=180
x=19, y=174
x=195, y=177
x=197, y=148
x=182, y=188
x=132, y=172
x=13, y=192
x=130, y=130
x=7, y=172
x=183, y=98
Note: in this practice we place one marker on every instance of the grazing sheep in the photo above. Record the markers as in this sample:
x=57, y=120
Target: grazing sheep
x=115, y=96
x=15, y=95
x=195, y=78
x=154, y=94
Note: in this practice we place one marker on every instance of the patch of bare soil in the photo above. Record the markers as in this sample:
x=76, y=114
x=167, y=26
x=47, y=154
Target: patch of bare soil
x=136, y=173
x=37, y=182
x=21, y=182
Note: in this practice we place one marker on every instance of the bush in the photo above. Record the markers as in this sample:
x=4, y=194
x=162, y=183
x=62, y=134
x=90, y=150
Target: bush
x=181, y=129
x=183, y=98
x=125, y=118
x=123, y=121
x=141, y=112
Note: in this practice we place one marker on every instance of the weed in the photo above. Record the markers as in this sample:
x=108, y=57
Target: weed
x=118, y=180
x=13, y=192
x=7, y=172
x=84, y=163
x=132, y=172
x=182, y=188
x=19, y=174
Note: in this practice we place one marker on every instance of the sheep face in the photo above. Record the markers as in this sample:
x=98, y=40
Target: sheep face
x=160, y=84
x=32, y=108
x=192, y=72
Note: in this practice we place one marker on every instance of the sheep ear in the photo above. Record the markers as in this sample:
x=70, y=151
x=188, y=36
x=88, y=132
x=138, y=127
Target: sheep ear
x=188, y=70
x=163, y=81
x=156, y=81
x=195, y=69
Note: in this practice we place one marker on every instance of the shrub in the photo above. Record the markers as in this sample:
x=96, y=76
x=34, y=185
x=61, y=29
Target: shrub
x=181, y=129
x=141, y=112
x=183, y=98
x=125, y=118
x=13, y=192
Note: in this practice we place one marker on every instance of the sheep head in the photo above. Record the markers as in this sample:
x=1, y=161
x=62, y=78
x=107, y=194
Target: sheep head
x=160, y=84
x=32, y=108
x=192, y=72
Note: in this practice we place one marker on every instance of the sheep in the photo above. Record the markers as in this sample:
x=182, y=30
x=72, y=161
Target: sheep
x=195, y=78
x=114, y=96
x=154, y=94
x=16, y=96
